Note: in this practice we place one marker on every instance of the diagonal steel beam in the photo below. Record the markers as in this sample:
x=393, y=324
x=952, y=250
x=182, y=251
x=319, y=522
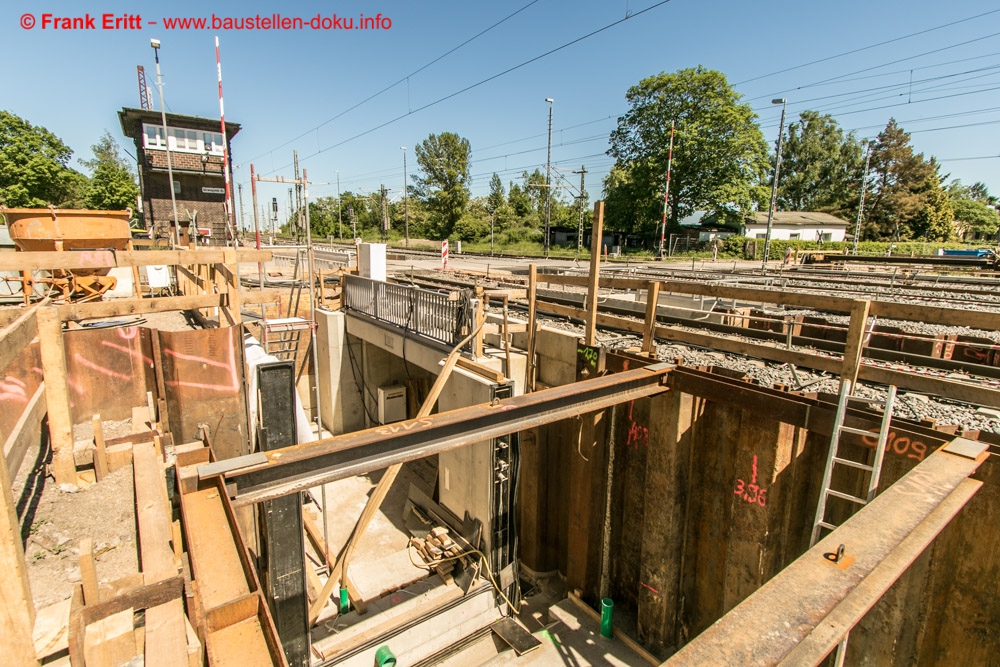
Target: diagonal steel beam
x=303, y=466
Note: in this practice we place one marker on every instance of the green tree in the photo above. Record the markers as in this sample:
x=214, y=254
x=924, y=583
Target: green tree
x=821, y=167
x=33, y=166
x=907, y=199
x=519, y=200
x=974, y=209
x=720, y=156
x=112, y=181
x=497, y=198
x=444, y=184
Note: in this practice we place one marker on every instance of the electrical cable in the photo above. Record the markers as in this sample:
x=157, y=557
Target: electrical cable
x=482, y=559
x=482, y=81
x=393, y=85
x=866, y=48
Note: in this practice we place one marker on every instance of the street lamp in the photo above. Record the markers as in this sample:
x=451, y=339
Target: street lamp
x=340, y=217
x=155, y=43
x=774, y=186
x=548, y=181
x=406, y=205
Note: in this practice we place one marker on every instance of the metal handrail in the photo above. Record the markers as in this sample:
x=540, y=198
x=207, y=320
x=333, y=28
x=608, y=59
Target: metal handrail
x=435, y=315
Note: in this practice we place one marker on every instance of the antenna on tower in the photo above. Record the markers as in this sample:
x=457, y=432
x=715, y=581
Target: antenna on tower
x=144, y=94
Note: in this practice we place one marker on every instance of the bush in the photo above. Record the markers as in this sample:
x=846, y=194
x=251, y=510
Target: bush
x=733, y=247
x=471, y=228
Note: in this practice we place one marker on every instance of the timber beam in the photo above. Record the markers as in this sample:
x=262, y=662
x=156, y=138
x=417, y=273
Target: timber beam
x=801, y=614
x=109, y=259
x=300, y=467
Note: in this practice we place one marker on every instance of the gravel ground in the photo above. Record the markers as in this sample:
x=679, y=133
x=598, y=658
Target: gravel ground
x=908, y=405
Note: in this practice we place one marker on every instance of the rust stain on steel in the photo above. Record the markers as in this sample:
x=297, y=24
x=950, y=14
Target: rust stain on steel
x=203, y=380
x=108, y=371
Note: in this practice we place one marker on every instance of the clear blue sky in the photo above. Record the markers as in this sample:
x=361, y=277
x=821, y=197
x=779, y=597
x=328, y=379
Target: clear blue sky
x=287, y=87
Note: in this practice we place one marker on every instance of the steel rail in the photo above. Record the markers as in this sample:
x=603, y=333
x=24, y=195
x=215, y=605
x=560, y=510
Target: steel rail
x=300, y=467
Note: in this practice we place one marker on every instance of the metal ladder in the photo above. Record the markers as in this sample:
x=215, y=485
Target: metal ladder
x=874, y=470
x=280, y=337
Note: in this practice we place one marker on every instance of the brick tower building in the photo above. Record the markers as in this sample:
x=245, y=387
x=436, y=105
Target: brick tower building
x=196, y=155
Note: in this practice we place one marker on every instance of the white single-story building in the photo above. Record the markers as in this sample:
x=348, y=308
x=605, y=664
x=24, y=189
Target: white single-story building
x=797, y=225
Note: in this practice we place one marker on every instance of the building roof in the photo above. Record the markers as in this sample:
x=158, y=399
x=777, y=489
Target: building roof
x=132, y=119
x=799, y=219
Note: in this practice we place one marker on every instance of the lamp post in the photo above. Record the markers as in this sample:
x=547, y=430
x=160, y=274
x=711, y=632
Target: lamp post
x=774, y=185
x=340, y=217
x=548, y=181
x=406, y=204
x=155, y=43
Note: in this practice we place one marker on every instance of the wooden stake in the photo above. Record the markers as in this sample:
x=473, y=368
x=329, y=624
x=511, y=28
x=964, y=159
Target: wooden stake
x=100, y=454
x=652, y=295
x=597, y=232
x=529, y=381
x=88, y=573
x=135, y=275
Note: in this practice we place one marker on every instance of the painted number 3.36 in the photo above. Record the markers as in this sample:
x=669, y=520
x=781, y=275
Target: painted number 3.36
x=751, y=493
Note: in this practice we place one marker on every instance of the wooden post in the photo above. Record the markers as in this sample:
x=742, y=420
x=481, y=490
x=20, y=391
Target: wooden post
x=529, y=383
x=477, y=344
x=856, y=333
x=88, y=573
x=135, y=274
x=100, y=456
x=597, y=231
x=17, y=611
x=56, y=394
x=652, y=295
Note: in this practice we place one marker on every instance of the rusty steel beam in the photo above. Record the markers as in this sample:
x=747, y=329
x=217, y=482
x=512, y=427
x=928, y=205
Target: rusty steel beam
x=799, y=616
x=303, y=466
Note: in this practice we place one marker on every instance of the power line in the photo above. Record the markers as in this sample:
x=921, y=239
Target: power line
x=393, y=85
x=866, y=48
x=486, y=80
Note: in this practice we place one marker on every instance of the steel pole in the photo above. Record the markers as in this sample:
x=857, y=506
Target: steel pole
x=666, y=193
x=774, y=185
x=176, y=240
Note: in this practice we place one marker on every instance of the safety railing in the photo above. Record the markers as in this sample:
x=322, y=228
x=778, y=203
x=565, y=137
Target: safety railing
x=436, y=315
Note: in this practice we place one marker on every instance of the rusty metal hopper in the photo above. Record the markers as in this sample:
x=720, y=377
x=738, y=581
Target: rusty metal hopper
x=35, y=229
x=48, y=229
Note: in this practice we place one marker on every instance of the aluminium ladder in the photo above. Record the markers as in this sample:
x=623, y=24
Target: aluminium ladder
x=874, y=470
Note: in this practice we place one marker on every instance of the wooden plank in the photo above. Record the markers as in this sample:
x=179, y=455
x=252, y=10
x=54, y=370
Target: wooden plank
x=97, y=259
x=51, y=633
x=786, y=612
x=110, y=642
x=88, y=572
x=17, y=611
x=19, y=334
x=481, y=370
x=590, y=334
x=100, y=454
x=881, y=309
x=240, y=645
x=99, y=309
x=215, y=562
x=166, y=635
x=26, y=432
x=856, y=333
x=151, y=516
x=53, y=356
